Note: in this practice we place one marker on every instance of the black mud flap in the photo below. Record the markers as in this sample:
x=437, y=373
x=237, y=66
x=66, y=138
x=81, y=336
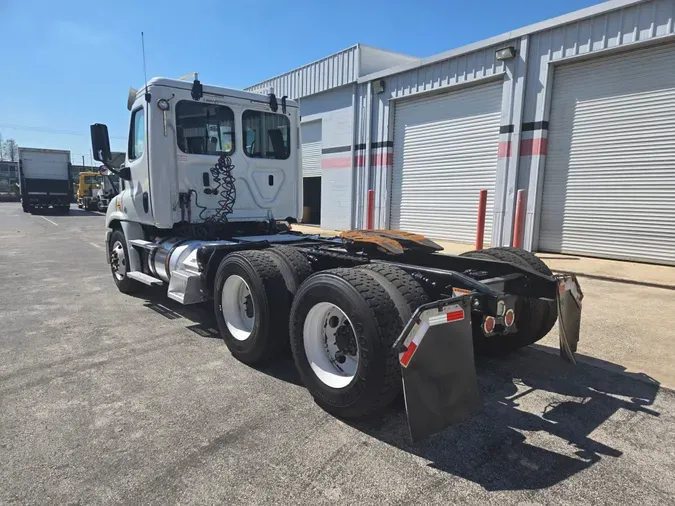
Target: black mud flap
x=569, y=315
x=437, y=365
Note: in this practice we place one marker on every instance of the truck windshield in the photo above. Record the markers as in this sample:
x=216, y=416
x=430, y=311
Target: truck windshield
x=204, y=129
x=92, y=179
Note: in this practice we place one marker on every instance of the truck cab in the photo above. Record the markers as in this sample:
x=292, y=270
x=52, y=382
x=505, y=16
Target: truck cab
x=206, y=154
x=88, y=185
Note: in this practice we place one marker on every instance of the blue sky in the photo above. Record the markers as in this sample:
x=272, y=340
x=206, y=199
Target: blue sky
x=67, y=64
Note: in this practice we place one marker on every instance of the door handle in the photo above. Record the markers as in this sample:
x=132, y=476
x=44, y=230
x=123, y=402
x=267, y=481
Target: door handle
x=146, y=202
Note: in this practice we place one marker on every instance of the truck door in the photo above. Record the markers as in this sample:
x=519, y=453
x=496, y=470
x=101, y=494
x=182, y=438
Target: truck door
x=136, y=201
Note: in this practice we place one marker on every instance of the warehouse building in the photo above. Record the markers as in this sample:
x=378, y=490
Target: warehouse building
x=578, y=110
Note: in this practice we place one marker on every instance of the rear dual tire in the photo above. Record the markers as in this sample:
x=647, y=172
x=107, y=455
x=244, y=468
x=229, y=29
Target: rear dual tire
x=375, y=301
x=534, y=317
x=251, y=306
x=364, y=308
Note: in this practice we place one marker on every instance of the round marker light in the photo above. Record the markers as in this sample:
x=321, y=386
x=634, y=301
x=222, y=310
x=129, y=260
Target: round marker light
x=489, y=324
x=509, y=318
x=163, y=104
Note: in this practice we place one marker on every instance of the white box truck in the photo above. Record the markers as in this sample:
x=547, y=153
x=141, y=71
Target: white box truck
x=44, y=178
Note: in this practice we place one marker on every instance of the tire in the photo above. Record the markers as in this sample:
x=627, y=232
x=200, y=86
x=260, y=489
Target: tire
x=262, y=278
x=294, y=266
x=375, y=324
x=537, y=264
x=26, y=208
x=406, y=292
x=124, y=284
x=529, y=315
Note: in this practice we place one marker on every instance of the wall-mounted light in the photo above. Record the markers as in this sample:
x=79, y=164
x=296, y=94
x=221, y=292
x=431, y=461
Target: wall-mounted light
x=505, y=53
x=378, y=86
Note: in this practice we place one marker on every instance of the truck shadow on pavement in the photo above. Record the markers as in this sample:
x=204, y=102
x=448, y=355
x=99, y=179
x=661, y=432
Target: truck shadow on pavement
x=557, y=404
x=203, y=323
x=534, y=391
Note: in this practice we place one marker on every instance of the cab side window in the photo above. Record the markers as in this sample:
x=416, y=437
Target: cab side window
x=137, y=134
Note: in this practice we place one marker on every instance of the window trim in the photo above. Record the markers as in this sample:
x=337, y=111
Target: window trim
x=132, y=134
x=234, y=129
x=243, y=135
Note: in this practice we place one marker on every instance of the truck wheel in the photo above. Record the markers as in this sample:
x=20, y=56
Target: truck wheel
x=119, y=264
x=529, y=316
x=294, y=266
x=251, y=306
x=343, y=325
x=404, y=290
x=535, y=263
x=25, y=207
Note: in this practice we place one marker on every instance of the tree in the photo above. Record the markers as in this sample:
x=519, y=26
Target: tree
x=2, y=149
x=11, y=149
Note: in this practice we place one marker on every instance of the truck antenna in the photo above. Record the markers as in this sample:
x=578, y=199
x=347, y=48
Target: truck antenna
x=145, y=69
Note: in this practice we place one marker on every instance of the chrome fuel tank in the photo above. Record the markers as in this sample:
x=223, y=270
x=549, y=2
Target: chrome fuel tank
x=176, y=253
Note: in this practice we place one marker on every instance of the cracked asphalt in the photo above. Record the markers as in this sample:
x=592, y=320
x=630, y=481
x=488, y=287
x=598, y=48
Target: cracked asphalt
x=114, y=399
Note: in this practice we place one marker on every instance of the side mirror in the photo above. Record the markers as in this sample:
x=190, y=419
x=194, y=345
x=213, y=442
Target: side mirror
x=100, y=142
x=124, y=173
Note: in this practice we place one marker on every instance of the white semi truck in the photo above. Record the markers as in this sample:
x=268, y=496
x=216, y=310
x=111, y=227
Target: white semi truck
x=45, y=179
x=210, y=189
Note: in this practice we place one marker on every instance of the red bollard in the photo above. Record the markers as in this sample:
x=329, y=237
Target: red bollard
x=519, y=220
x=370, y=211
x=480, y=228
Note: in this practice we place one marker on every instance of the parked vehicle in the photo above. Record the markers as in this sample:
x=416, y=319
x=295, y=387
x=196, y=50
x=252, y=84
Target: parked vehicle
x=95, y=190
x=44, y=179
x=87, y=188
x=212, y=186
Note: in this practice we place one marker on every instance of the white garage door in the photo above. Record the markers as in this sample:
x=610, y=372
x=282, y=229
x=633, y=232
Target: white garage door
x=609, y=183
x=445, y=152
x=311, y=148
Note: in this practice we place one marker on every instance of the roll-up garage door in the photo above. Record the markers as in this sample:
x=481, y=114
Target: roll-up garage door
x=609, y=180
x=311, y=148
x=445, y=152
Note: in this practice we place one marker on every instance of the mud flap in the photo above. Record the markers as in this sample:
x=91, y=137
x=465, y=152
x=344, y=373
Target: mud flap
x=437, y=366
x=569, y=315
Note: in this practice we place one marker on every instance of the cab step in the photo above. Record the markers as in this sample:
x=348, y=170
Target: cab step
x=141, y=243
x=144, y=278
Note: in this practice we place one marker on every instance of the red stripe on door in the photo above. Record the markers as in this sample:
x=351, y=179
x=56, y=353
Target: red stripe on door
x=504, y=149
x=534, y=147
x=344, y=162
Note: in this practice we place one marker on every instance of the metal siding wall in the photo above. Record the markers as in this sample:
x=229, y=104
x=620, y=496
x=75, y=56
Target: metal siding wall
x=457, y=70
x=330, y=72
x=622, y=27
x=334, y=109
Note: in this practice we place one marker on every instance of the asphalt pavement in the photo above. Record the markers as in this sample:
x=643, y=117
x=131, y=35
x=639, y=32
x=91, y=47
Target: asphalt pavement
x=114, y=399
